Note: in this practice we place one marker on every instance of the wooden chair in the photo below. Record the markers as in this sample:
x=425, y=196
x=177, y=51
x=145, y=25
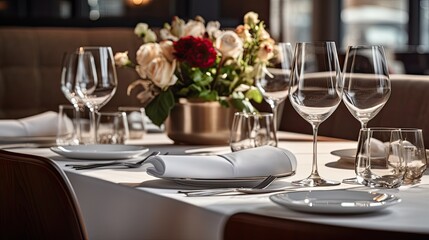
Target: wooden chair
x=37, y=200
x=252, y=226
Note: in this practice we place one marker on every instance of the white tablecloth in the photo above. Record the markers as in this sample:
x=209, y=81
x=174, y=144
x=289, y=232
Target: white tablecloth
x=152, y=208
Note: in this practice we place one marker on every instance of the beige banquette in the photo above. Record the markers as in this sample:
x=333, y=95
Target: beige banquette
x=30, y=64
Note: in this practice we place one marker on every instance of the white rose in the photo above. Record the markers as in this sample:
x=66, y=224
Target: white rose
x=150, y=36
x=213, y=29
x=161, y=72
x=263, y=35
x=229, y=44
x=251, y=18
x=177, y=27
x=167, y=49
x=165, y=34
x=121, y=59
x=146, y=53
x=141, y=29
x=194, y=28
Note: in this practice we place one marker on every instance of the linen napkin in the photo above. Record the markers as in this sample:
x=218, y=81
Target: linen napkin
x=254, y=162
x=40, y=125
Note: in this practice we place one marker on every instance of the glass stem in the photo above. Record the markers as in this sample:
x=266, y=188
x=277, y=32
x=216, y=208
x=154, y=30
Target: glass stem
x=363, y=124
x=275, y=108
x=76, y=122
x=314, y=171
x=93, y=127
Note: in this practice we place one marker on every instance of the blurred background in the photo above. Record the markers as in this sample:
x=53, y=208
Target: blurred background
x=402, y=26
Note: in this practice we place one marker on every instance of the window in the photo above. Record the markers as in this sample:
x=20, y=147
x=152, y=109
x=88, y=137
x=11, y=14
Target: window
x=376, y=22
x=424, y=23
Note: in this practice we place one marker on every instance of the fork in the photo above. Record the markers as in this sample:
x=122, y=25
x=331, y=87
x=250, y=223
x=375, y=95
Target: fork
x=125, y=164
x=201, y=193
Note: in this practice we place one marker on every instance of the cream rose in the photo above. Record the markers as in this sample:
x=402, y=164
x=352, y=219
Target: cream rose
x=243, y=32
x=165, y=34
x=122, y=59
x=150, y=36
x=264, y=35
x=141, y=29
x=265, y=52
x=251, y=18
x=146, y=54
x=167, y=49
x=212, y=29
x=229, y=44
x=177, y=27
x=194, y=28
x=161, y=72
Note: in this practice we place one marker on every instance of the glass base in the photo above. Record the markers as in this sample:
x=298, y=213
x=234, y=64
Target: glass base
x=355, y=181
x=315, y=182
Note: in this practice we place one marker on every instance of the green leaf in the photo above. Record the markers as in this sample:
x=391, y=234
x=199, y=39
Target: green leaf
x=159, y=108
x=254, y=94
x=243, y=105
x=209, y=95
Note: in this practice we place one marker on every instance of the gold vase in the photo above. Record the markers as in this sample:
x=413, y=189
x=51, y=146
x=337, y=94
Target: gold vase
x=197, y=122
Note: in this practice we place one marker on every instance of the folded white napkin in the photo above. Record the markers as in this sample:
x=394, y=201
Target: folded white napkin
x=40, y=125
x=254, y=162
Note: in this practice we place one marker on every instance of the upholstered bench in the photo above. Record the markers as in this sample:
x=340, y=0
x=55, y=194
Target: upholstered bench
x=408, y=106
x=30, y=66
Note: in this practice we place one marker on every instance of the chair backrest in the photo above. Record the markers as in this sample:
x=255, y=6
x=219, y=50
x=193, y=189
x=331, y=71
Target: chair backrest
x=37, y=200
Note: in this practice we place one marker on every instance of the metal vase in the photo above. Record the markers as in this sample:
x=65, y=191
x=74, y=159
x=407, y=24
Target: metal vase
x=198, y=122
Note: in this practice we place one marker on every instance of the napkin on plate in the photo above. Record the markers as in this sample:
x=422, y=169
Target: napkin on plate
x=40, y=125
x=254, y=162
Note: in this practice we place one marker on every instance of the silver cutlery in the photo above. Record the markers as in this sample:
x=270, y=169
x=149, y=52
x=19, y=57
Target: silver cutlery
x=211, y=192
x=115, y=163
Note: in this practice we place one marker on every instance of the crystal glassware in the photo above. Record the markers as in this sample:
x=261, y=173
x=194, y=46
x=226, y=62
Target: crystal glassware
x=414, y=154
x=97, y=80
x=379, y=158
x=251, y=130
x=274, y=81
x=70, y=72
x=316, y=90
x=366, y=84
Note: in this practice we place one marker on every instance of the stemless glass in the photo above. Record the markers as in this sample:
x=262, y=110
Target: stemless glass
x=366, y=84
x=97, y=82
x=379, y=158
x=274, y=82
x=251, y=130
x=414, y=154
x=316, y=90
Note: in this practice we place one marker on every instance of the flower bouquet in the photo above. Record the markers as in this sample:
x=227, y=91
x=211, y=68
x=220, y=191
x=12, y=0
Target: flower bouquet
x=195, y=60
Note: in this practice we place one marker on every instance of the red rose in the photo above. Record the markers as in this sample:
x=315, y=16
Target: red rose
x=198, y=52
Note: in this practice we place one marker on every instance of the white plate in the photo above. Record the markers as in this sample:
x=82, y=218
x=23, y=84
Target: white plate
x=349, y=155
x=335, y=201
x=216, y=183
x=100, y=151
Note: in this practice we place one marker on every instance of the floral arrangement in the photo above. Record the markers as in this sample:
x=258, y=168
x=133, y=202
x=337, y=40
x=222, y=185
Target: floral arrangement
x=199, y=61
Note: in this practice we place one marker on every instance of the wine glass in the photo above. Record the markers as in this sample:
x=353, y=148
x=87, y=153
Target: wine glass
x=97, y=81
x=366, y=84
x=316, y=90
x=69, y=74
x=274, y=81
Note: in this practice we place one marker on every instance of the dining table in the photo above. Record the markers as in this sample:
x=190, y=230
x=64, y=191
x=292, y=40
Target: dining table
x=128, y=203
